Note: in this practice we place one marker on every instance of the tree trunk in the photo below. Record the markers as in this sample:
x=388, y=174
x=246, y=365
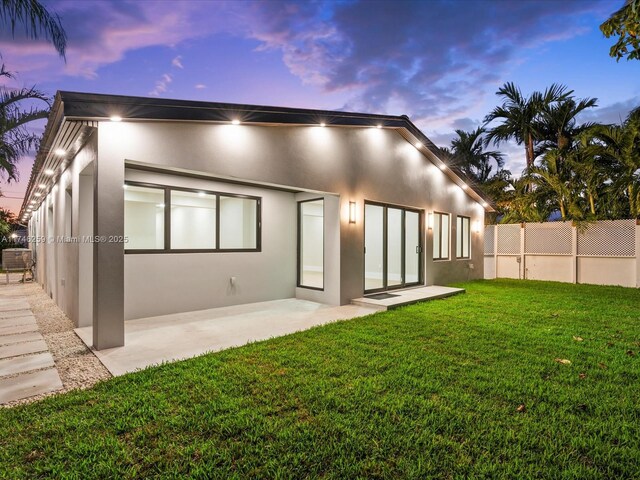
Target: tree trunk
x=562, y=212
x=529, y=151
x=592, y=204
x=632, y=202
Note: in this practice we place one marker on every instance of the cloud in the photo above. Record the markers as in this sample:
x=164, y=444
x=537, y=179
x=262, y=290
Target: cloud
x=177, y=62
x=161, y=85
x=199, y=86
x=433, y=60
x=102, y=32
x=614, y=113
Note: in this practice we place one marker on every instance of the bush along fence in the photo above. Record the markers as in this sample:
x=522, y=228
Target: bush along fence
x=601, y=253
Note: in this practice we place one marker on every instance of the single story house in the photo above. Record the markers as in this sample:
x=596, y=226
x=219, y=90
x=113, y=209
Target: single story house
x=139, y=207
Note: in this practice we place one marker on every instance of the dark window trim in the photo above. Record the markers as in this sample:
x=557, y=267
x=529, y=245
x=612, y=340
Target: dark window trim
x=299, y=244
x=459, y=255
x=385, y=287
x=440, y=257
x=167, y=220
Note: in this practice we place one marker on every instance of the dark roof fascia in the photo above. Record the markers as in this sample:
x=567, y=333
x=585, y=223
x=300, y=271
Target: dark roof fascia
x=99, y=106
x=56, y=116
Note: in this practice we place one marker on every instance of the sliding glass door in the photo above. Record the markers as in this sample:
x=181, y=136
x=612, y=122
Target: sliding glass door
x=393, y=247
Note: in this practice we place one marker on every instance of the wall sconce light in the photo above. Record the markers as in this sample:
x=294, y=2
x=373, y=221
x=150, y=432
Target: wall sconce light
x=476, y=227
x=430, y=222
x=352, y=212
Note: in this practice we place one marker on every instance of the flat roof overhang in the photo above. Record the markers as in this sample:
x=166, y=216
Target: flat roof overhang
x=75, y=116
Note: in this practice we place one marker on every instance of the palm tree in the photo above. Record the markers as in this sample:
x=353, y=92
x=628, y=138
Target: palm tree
x=37, y=21
x=520, y=116
x=468, y=153
x=621, y=143
x=555, y=174
x=15, y=139
x=519, y=203
x=559, y=124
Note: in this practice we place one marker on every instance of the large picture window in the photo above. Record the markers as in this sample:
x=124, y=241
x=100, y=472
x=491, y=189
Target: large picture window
x=463, y=237
x=144, y=218
x=238, y=222
x=440, y=236
x=311, y=244
x=193, y=220
x=170, y=219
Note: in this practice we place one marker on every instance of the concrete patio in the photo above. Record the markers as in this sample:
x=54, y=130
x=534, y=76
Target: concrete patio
x=154, y=340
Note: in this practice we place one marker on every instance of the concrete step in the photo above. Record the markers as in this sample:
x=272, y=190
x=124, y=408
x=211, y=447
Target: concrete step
x=407, y=297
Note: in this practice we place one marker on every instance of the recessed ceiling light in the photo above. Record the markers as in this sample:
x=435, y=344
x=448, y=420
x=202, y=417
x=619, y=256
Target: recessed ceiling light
x=418, y=145
x=115, y=118
x=49, y=172
x=464, y=186
x=201, y=194
x=378, y=126
x=443, y=167
x=323, y=124
x=160, y=205
x=37, y=194
x=43, y=185
x=60, y=151
x=235, y=121
x=485, y=204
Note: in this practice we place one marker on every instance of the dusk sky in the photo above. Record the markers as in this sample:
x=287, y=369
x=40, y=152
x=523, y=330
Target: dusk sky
x=440, y=62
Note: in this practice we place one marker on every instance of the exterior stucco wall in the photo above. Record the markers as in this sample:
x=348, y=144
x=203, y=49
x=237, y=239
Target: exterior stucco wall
x=58, y=266
x=347, y=164
x=164, y=283
x=357, y=163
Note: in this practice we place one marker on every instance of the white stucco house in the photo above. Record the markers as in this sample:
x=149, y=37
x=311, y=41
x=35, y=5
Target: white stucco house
x=139, y=207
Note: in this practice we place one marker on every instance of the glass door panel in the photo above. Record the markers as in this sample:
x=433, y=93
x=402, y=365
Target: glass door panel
x=374, y=247
x=394, y=247
x=412, y=247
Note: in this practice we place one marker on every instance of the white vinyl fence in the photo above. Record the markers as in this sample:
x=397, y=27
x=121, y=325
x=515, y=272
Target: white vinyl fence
x=604, y=253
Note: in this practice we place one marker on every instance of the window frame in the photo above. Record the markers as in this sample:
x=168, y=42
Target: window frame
x=459, y=233
x=440, y=258
x=299, y=245
x=167, y=220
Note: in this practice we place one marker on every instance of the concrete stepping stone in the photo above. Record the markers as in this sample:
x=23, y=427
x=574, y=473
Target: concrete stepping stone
x=11, y=366
x=29, y=384
x=10, y=304
x=20, y=337
x=24, y=320
x=31, y=327
x=15, y=314
x=23, y=349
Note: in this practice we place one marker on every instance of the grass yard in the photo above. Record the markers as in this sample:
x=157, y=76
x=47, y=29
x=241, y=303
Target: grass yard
x=471, y=386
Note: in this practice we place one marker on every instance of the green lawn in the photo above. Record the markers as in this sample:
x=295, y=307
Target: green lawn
x=430, y=390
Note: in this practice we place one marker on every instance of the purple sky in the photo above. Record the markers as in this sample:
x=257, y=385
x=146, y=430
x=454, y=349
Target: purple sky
x=440, y=62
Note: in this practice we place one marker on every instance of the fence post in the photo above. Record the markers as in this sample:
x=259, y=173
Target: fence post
x=523, y=264
x=574, y=253
x=638, y=253
x=495, y=251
